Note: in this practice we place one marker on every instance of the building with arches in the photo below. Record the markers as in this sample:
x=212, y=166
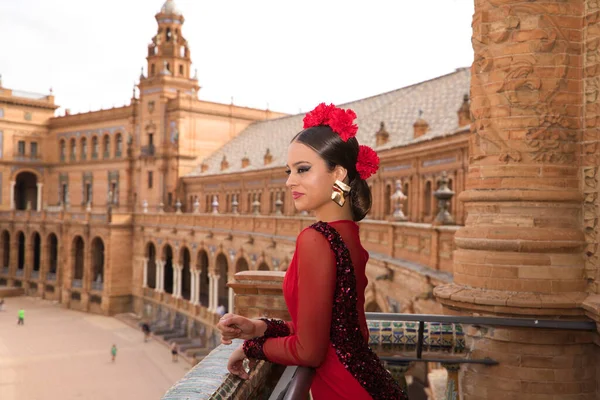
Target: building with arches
x=157, y=204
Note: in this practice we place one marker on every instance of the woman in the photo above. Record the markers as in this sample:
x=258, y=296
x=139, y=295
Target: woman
x=325, y=283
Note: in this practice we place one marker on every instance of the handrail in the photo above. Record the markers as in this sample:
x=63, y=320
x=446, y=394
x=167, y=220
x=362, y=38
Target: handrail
x=495, y=321
x=297, y=385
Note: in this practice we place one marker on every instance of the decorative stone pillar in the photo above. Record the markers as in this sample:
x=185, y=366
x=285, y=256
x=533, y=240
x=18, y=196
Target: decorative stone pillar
x=211, y=289
x=215, y=292
x=235, y=204
x=161, y=208
x=278, y=204
x=145, y=206
x=398, y=198
x=176, y=280
x=452, y=388
x=193, y=281
x=215, y=205
x=398, y=371
x=12, y=195
x=521, y=250
x=145, y=273
x=443, y=195
x=198, y=286
x=40, y=186
x=230, y=300
x=159, y=280
x=178, y=207
x=256, y=205
x=196, y=206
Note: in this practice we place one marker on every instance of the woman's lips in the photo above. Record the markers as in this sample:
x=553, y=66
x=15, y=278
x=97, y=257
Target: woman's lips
x=297, y=195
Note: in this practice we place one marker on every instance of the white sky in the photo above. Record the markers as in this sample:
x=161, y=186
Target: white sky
x=288, y=54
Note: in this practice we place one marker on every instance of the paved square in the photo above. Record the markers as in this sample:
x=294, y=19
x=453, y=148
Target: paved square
x=64, y=354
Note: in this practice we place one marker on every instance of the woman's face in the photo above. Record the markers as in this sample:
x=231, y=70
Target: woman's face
x=309, y=178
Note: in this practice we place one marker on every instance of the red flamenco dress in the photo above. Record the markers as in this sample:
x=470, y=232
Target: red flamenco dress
x=324, y=290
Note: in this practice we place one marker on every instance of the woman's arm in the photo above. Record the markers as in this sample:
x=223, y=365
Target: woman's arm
x=308, y=345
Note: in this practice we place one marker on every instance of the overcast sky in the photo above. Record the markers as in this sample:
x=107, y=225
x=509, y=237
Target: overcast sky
x=290, y=55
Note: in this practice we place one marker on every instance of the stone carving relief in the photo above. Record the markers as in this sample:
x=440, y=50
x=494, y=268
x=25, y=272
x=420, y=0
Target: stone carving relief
x=508, y=54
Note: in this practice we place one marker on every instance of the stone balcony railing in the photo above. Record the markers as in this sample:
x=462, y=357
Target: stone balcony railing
x=52, y=216
x=411, y=245
x=407, y=244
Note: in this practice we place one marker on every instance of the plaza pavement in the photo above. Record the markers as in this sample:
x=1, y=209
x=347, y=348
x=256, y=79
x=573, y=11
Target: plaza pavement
x=64, y=354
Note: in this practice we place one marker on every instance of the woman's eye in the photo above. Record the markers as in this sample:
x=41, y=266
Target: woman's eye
x=302, y=170
x=287, y=172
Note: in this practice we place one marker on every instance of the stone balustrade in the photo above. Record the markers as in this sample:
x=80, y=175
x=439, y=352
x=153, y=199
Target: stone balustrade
x=423, y=244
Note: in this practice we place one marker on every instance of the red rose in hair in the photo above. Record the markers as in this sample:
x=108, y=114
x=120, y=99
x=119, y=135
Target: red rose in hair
x=367, y=163
x=318, y=116
x=342, y=122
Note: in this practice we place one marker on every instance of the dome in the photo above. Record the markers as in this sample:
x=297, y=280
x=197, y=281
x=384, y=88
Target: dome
x=169, y=8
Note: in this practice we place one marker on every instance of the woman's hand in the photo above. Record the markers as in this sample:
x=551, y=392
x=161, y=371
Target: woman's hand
x=234, y=326
x=235, y=365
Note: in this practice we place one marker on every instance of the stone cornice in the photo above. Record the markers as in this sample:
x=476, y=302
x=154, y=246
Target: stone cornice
x=112, y=114
x=21, y=101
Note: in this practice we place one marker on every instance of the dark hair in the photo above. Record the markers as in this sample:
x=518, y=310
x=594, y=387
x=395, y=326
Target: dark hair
x=330, y=146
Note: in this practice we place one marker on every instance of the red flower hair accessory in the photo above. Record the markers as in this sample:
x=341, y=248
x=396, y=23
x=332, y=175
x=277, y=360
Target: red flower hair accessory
x=367, y=162
x=339, y=120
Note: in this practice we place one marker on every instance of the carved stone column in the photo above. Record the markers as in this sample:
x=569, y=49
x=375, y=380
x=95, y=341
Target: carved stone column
x=40, y=186
x=159, y=280
x=145, y=273
x=176, y=279
x=194, y=286
x=211, y=289
x=12, y=194
x=521, y=250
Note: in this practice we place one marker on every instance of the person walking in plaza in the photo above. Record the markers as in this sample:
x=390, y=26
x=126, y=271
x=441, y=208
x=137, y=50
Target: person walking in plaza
x=146, y=330
x=324, y=286
x=21, y=320
x=113, y=352
x=174, y=352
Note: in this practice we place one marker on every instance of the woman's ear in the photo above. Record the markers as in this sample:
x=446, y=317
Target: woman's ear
x=340, y=173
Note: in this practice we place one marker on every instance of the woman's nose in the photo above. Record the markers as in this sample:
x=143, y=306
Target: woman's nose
x=290, y=181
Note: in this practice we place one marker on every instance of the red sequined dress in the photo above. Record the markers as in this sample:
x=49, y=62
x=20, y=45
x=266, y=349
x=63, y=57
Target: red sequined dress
x=324, y=290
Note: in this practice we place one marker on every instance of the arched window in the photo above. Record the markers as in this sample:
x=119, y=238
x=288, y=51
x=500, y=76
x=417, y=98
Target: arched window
x=73, y=150
x=180, y=69
x=152, y=70
x=83, y=148
x=168, y=34
x=119, y=145
x=95, y=148
x=106, y=146
x=63, y=150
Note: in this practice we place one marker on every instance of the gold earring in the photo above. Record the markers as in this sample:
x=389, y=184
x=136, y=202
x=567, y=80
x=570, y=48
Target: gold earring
x=339, y=193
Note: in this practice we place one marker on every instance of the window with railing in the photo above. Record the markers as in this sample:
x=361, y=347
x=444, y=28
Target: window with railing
x=21, y=148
